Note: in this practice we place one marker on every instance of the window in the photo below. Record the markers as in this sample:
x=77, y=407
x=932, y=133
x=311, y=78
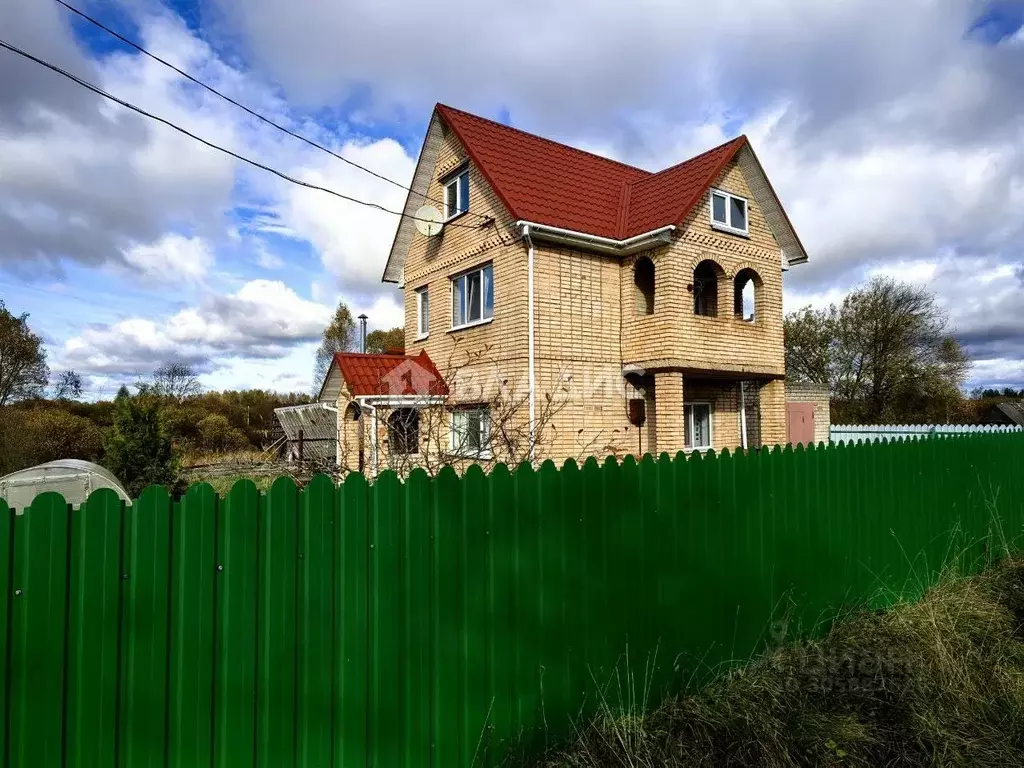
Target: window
x=473, y=297
x=422, y=313
x=456, y=195
x=404, y=431
x=698, y=426
x=471, y=431
x=643, y=278
x=705, y=288
x=728, y=212
x=745, y=289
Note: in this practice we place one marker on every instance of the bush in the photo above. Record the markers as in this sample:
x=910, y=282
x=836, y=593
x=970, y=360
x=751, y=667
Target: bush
x=138, y=449
x=217, y=434
x=54, y=433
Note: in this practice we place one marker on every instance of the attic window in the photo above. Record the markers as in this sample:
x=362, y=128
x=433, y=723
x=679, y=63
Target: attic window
x=456, y=195
x=728, y=212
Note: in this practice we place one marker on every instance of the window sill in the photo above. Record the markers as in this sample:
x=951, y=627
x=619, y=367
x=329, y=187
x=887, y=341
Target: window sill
x=730, y=230
x=458, y=215
x=477, y=456
x=474, y=324
x=422, y=337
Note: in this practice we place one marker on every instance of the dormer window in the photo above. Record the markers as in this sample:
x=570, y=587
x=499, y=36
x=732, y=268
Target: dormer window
x=456, y=195
x=728, y=212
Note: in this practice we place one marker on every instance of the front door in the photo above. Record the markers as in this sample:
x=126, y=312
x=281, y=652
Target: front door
x=800, y=423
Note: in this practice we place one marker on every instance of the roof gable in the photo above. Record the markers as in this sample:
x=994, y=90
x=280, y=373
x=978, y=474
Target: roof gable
x=389, y=375
x=543, y=182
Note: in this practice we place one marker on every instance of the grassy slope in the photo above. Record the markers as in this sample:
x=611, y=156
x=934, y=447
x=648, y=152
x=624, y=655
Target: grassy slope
x=935, y=682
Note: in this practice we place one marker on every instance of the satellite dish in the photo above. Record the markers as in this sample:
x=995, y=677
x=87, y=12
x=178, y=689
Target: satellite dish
x=429, y=221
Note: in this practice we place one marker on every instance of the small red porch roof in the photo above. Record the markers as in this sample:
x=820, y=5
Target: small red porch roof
x=390, y=374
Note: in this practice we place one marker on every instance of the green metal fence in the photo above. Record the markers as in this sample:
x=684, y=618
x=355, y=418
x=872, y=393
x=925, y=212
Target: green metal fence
x=440, y=621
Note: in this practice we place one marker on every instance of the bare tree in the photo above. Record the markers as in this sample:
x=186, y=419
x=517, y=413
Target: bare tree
x=23, y=369
x=68, y=386
x=176, y=380
x=483, y=420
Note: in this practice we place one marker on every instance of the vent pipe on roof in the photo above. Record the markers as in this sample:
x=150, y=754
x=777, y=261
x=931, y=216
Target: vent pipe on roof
x=362, y=333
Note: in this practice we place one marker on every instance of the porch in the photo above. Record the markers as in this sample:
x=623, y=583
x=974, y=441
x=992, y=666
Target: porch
x=676, y=411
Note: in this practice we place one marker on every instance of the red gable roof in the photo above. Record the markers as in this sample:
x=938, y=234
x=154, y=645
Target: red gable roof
x=545, y=182
x=390, y=374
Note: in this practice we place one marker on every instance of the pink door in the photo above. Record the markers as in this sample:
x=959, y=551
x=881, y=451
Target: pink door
x=800, y=423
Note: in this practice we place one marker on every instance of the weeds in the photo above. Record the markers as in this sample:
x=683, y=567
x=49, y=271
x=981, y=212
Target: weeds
x=939, y=681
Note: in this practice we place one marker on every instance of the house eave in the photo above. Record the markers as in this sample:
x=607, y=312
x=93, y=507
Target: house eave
x=596, y=243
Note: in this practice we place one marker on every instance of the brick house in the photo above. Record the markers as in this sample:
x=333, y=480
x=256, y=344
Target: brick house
x=646, y=306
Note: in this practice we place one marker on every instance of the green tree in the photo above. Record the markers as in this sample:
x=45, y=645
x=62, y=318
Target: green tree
x=338, y=336
x=138, y=449
x=23, y=369
x=380, y=341
x=885, y=354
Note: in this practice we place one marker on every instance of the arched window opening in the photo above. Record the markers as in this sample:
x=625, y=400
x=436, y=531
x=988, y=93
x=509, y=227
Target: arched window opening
x=745, y=293
x=643, y=279
x=404, y=431
x=705, y=288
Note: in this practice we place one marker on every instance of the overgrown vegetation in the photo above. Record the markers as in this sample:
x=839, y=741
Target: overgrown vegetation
x=937, y=682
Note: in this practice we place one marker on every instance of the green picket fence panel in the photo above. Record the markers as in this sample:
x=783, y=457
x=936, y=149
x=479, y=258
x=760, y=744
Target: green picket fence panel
x=456, y=621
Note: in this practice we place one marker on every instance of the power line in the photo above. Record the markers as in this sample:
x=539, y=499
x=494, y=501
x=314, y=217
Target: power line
x=128, y=105
x=253, y=113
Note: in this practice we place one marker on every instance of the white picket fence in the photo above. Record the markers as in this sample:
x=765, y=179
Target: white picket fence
x=858, y=433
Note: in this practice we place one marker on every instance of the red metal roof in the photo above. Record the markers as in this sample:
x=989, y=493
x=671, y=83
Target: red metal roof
x=545, y=182
x=390, y=374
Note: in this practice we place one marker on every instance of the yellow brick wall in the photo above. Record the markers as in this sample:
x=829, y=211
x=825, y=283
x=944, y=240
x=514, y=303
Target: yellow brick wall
x=588, y=327
x=773, y=413
x=723, y=342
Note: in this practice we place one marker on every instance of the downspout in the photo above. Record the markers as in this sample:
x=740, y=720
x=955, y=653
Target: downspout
x=530, y=334
x=373, y=441
x=743, y=416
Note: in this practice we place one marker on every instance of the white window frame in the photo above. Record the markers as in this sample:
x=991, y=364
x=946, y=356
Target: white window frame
x=421, y=294
x=483, y=319
x=484, y=452
x=688, y=415
x=460, y=178
x=728, y=227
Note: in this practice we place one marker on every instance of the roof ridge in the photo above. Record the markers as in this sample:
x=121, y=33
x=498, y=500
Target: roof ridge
x=688, y=160
x=546, y=140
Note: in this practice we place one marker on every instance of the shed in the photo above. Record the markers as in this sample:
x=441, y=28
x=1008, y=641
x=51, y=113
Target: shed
x=74, y=479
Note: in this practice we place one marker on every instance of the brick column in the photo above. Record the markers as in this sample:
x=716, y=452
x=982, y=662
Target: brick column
x=773, y=413
x=668, y=417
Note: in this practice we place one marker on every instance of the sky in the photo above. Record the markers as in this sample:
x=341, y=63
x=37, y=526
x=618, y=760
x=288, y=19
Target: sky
x=893, y=133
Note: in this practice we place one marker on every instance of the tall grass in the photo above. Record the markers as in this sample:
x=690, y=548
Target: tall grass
x=937, y=681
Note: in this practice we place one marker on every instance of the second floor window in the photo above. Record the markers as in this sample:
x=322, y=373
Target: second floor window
x=422, y=313
x=473, y=297
x=728, y=212
x=456, y=195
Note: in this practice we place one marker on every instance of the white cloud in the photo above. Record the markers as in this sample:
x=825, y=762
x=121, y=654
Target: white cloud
x=172, y=257
x=353, y=241
x=263, y=320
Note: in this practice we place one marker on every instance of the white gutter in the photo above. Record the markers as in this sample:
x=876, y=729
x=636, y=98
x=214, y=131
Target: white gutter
x=596, y=242
x=529, y=335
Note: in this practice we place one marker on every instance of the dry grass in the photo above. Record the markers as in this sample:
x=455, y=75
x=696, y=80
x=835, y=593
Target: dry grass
x=936, y=682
